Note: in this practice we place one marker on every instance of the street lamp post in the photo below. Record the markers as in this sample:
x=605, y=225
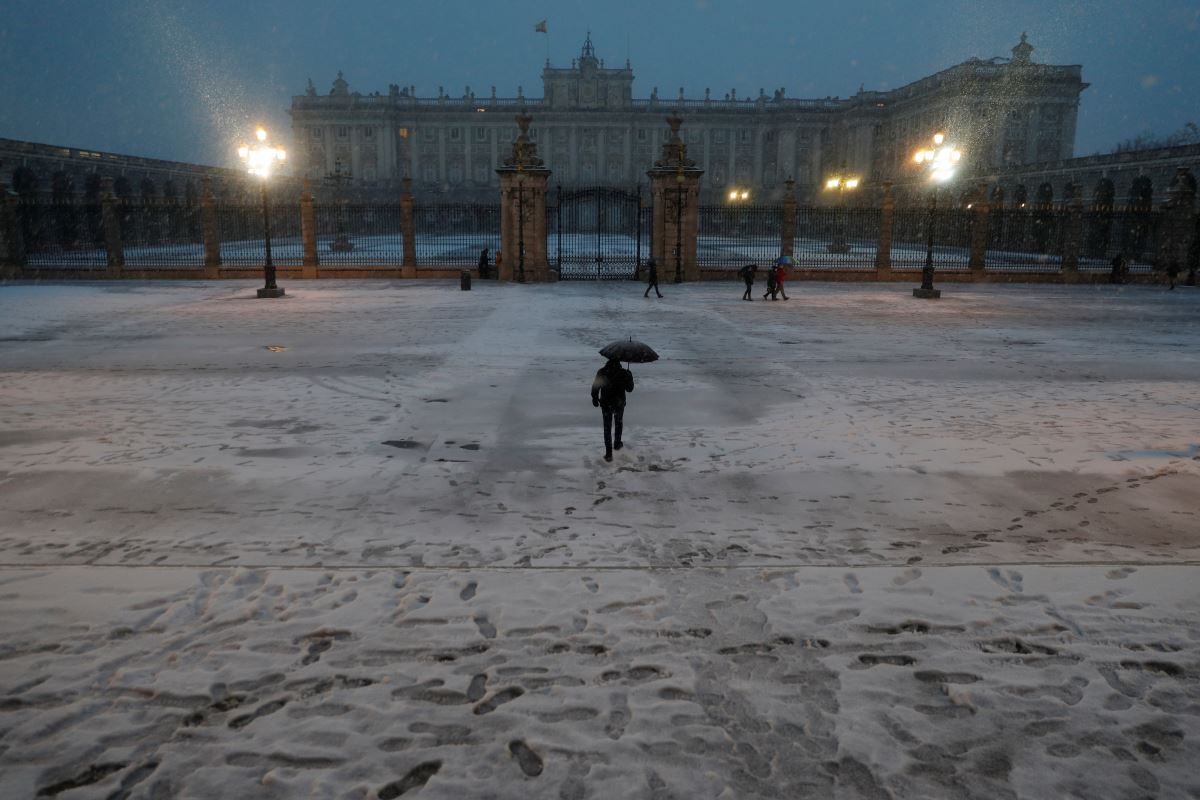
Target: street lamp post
x=939, y=163
x=260, y=159
x=841, y=182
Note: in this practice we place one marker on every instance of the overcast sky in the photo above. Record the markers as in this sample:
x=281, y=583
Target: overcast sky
x=185, y=79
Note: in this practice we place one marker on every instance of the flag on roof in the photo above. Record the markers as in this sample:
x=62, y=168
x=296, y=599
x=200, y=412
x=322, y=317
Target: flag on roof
x=540, y=27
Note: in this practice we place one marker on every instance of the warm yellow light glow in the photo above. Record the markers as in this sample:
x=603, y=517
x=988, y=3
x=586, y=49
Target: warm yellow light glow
x=919, y=157
x=733, y=195
x=956, y=155
x=832, y=183
x=852, y=183
x=261, y=158
x=938, y=138
x=745, y=195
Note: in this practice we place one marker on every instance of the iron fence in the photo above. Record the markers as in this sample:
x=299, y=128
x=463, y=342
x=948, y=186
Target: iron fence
x=836, y=238
x=63, y=235
x=240, y=229
x=951, y=238
x=453, y=234
x=359, y=235
x=1025, y=240
x=731, y=236
x=1111, y=231
x=161, y=233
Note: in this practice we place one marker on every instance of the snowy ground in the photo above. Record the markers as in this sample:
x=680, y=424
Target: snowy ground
x=360, y=543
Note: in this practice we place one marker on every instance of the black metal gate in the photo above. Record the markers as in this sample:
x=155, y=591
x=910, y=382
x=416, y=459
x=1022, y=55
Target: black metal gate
x=599, y=233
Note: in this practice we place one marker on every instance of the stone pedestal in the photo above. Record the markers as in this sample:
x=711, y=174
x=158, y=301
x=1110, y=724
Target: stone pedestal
x=675, y=188
x=523, y=182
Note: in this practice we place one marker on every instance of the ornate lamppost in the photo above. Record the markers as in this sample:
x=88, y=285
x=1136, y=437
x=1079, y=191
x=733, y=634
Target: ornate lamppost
x=841, y=182
x=939, y=163
x=260, y=159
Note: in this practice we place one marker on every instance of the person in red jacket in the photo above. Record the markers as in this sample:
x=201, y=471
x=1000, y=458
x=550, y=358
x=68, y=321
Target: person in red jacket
x=780, y=274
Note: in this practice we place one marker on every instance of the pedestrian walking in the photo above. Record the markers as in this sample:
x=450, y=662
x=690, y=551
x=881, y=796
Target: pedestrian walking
x=483, y=263
x=652, y=278
x=1172, y=273
x=608, y=394
x=780, y=275
x=1120, y=266
x=772, y=284
x=747, y=273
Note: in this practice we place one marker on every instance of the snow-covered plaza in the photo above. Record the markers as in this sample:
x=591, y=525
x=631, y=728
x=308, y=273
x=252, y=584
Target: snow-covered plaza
x=361, y=542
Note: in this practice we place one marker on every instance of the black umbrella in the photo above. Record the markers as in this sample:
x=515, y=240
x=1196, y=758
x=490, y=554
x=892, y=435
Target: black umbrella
x=629, y=351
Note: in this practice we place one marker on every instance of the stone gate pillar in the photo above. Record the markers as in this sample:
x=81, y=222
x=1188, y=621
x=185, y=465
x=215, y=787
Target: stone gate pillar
x=523, y=182
x=675, y=187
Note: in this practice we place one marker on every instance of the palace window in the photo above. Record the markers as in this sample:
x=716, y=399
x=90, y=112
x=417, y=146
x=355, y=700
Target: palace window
x=317, y=133
x=430, y=134
x=403, y=133
x=744, y=135
x=343, y=132
x=430, y=173
x=481, y=134
x=368, y=133
x=641, y=134
x=719, y=136
x=455, y=134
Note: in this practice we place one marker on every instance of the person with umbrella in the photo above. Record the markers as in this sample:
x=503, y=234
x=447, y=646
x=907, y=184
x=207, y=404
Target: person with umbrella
x=611, y=384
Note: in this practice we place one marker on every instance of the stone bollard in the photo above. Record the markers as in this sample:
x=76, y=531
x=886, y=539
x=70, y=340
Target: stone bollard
x=110, y=215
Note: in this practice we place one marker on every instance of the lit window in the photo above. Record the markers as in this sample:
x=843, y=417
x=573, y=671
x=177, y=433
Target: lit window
x=403, y=133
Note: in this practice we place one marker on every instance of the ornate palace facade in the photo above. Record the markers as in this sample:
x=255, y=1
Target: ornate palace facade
x=592, y=130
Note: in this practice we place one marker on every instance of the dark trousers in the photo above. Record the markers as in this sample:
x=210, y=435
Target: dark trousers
x=612, y=414
x=749, y=286
x=653, y=285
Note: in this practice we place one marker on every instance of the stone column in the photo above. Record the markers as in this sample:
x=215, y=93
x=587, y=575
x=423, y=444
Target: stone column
x=979, y=231
x=409, y=270
x=523, y=182
x=110, y=215
x=308, y=233
x=1072, y=234
x=788, y=228
x=887, y=215
x=675, y=188
x=208, y=228
x=12, y=257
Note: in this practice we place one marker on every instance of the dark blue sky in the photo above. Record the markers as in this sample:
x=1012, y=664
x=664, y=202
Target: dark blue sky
x=185, y=79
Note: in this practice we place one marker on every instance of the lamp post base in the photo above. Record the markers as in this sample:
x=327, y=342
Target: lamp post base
x=274, y=291
x=927, y=294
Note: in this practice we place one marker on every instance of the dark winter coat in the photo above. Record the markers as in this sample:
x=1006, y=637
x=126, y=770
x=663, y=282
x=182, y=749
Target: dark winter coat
x=652, y=273
x=772, y=280
x=747, y=273
x=611, y=383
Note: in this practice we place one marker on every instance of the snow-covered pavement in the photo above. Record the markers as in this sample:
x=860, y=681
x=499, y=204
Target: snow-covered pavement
x=360, y=542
